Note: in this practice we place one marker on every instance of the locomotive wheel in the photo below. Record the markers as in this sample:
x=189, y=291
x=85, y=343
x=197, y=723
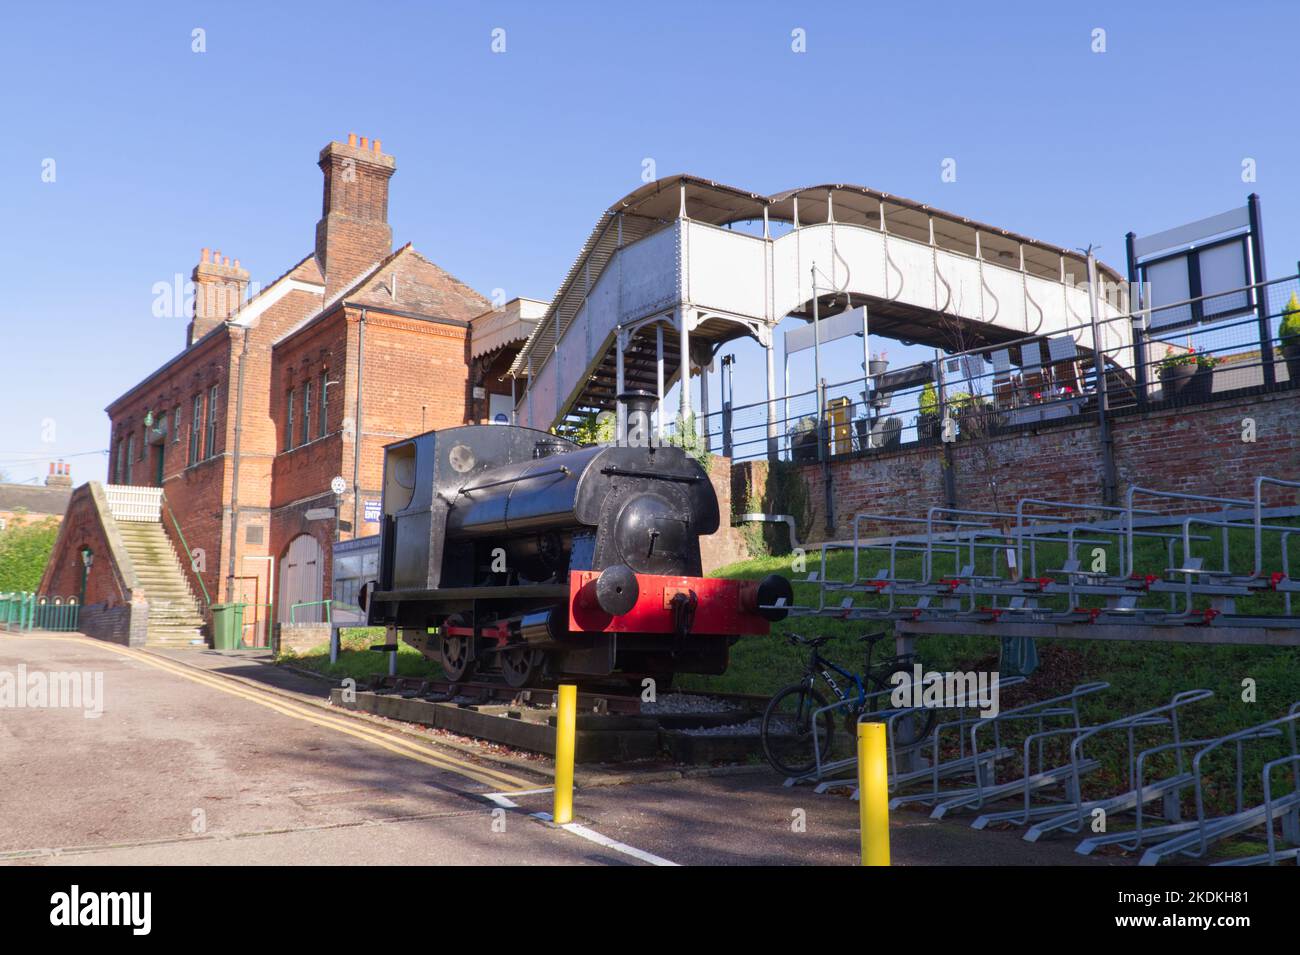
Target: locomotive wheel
x=520, y=665
x=456, y=662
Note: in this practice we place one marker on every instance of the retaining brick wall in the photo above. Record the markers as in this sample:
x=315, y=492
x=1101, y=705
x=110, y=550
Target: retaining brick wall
x=1190, y=450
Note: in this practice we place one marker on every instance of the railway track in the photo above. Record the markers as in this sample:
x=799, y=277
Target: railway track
x=684, y=726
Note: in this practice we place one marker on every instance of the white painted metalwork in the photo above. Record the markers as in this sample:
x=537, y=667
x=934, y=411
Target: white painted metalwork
x=129, y=503
x=938, y=265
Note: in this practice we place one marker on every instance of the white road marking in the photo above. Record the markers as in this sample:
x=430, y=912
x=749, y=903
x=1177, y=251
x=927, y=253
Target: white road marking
x=591, y=835
x=617, y=846
x=507, y=803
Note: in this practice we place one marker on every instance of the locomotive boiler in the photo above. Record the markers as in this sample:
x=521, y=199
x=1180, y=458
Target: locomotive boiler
x=511, y=552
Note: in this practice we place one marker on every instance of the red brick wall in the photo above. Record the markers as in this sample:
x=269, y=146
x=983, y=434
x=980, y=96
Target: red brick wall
x=81, y=528
x=1192, y=451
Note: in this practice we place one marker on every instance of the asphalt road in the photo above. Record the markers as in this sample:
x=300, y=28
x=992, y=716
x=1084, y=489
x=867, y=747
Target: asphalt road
x=184, y=767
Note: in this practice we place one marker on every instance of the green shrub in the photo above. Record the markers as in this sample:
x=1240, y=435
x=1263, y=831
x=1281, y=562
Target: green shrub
x=929, y=403
x=24, y=552
x=1290, y=330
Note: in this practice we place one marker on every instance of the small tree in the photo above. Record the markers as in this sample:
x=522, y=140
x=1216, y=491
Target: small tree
x=928, y=405
x=24, y=552
x=686, y=437
x=1290, y=330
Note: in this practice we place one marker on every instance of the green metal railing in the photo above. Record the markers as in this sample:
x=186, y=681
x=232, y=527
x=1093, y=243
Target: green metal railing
x=327, y=604
x=24, y=611
x=189, y=555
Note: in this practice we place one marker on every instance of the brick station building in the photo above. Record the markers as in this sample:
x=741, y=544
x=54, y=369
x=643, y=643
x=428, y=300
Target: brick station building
x=273, y=396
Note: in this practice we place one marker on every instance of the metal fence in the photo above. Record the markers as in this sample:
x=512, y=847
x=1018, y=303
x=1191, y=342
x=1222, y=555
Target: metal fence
x=24, y=611
x=1181, y=354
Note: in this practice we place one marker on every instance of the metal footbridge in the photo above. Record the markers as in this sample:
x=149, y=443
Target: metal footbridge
x=682, y=265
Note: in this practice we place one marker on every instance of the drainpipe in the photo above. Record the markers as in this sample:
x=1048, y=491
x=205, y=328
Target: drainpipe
x=234, y=476
x=356, y=426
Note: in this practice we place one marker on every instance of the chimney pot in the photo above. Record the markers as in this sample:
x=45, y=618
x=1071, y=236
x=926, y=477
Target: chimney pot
x=352, y=139
x=226, y=261
x=203, y=256
x=236, y=263
x=51, y=467
x=364, y=143
x=377, y=150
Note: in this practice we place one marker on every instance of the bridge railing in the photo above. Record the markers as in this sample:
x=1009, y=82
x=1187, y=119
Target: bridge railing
x=1183, y=353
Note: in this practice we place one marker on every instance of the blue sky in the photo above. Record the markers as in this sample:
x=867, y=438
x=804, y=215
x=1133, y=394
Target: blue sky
x=506, y=160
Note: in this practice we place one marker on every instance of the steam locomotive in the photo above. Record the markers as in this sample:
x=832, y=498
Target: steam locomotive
x=511, y=553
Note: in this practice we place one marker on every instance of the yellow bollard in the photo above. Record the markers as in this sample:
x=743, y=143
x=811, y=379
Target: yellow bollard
x=873, y=793
x=566, y=718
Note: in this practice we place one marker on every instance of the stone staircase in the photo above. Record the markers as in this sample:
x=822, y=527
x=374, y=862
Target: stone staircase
x=174, y=617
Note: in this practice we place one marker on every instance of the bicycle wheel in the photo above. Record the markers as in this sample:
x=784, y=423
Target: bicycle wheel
x=787, y=730
x=909, y=730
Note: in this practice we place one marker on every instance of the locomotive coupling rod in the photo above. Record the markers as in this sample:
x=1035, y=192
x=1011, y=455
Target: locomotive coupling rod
x=523, y=477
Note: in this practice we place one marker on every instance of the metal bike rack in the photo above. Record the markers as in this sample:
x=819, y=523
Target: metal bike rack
x=981, y=762
x=1075, y=819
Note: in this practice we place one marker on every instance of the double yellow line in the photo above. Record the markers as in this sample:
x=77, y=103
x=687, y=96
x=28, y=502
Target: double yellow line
x=311, y=714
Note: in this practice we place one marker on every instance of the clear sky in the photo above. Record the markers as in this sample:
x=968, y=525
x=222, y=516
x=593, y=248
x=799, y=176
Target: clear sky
x=504, y=161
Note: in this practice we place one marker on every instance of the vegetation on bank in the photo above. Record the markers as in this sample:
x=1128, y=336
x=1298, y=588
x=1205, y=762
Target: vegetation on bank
x=358, y=661
x=24, y=551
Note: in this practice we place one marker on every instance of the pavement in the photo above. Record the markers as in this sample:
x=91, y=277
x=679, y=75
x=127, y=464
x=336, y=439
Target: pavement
x=203, y=758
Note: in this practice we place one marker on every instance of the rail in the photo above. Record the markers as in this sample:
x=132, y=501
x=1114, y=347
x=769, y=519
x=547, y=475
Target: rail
x=24, y=611
x=1186, y=354
x=189, y=556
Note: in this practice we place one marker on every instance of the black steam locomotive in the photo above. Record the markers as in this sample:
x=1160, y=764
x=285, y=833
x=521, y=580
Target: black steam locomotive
x=510, y=551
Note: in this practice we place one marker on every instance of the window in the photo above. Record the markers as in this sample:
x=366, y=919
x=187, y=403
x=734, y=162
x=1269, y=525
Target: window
x=212, y=421
x=130, y=455
x=120, y=469
x=176, y=424
x=306, y=411
x=144, y=440
x=323, y=417
x=288, y=420
x=196, y=430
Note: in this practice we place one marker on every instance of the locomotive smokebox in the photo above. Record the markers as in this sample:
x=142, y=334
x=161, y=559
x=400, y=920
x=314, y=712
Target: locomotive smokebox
x=638, y=428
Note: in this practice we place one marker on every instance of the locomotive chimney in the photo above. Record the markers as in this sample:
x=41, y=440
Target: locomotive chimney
x=638, y=430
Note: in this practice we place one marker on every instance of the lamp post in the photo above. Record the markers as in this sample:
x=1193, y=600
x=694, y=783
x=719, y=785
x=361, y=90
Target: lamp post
x=87, y=558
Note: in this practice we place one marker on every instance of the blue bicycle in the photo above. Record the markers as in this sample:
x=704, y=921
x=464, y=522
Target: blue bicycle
x=788, y=730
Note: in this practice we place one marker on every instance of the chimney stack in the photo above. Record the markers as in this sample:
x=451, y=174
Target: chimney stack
x=219, y=288
x=60, y=475
x=353, y=233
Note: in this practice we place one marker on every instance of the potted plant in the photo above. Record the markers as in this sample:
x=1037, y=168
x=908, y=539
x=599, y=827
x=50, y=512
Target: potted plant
x=927, y=418
x=1289, y=334
x=1186, y=375
x=974, y=414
